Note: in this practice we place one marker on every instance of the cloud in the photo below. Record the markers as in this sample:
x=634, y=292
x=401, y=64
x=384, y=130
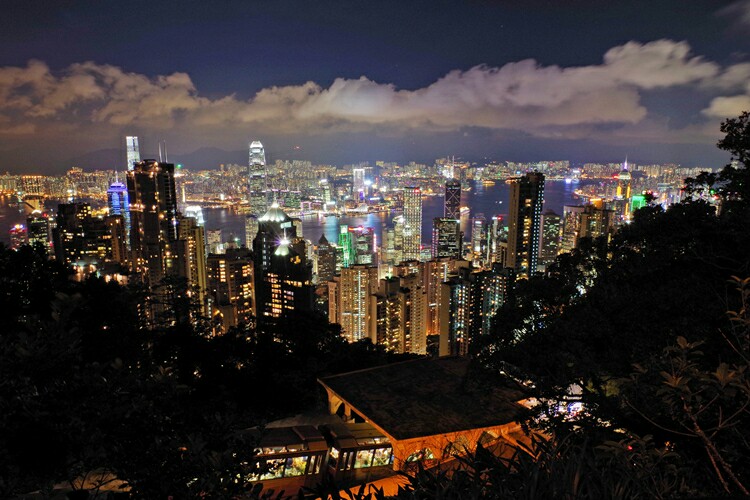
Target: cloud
x=738, y=12
x=524, y=96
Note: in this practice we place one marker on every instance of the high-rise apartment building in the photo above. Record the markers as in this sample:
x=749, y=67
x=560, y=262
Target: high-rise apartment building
x=524, y=221
x=412, y=223
x=349, y=300
x=231, y=287
x=550, y=239
x=584, y=221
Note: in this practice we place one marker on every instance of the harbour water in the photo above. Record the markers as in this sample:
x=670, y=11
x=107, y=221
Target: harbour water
x=489, y=200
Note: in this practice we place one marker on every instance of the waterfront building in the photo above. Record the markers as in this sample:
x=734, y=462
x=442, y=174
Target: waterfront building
x=452, y=202
x=257, y=179
x=132, y=152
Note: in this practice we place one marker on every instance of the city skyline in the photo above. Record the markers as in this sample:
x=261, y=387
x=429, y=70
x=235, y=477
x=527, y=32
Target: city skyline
x=340, y=84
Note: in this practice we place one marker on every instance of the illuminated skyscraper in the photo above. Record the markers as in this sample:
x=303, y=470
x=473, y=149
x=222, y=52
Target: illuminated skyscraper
x=132, y=151
x=283, y=278
x=118, y=203
x=524, y=221
x=446, y=238
x=358, y=183
x=623, y=188
x=153, y=218
x=551, y=229
x=452, y=208
x=412, y=223
x=349, y=300
x=257, y=182
x=346, y=247
x=39, y=230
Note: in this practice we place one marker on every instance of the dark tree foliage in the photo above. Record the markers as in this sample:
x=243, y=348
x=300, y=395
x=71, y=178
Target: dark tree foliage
x=640, y=327
x=86, y=392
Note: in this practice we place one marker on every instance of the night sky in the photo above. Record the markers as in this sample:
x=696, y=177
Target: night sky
x=349, y=81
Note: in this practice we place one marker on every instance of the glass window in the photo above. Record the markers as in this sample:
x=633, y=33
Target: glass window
x=364, y=459
x=295, y=466
x=275, y=469
x=382, y=456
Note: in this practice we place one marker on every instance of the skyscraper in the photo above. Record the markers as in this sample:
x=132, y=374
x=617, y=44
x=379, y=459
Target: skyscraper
x=153, y=218
x=446, y=238
x=413, y=223
x=119, y=204
x=283, y=278
x=349, y=300
x=257, y=182
x=132, y=152
x=551, y=231
x=524, y=220
x=452, y=208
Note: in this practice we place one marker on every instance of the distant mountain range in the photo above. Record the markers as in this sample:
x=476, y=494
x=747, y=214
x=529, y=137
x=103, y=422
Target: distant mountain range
x=202, y=158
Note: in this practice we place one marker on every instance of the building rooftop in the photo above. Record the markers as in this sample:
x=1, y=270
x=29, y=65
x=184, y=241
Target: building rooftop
x=425, y=397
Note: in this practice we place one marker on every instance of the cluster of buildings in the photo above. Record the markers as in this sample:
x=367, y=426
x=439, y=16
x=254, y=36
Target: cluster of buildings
x=399, y=292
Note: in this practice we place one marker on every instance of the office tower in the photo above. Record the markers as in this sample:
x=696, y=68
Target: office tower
x=363, y=242
x=637, y=201
x=623, y=189
x=119, y=204
x=325, y=261
x=257, y=181
x=230, y=285
x=346, y=247
x=18, y=236
x=153, y=219
x=326, y=187
x=39, y=230
x=196, y=212
x=349, y=300
x=283, y=278
x=478, y=239
x=393, y=242
x=623, y=182
x=412, y=223
x=498, y=241
x=191, y=260
x=132, y=152
x=524, y=221
x=446, y=238
x=251, y=230
x=452, y=209
x=358, y=183
x=551, y=231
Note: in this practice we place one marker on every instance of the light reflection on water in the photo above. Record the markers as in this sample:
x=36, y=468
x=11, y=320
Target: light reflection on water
x=488, y=200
